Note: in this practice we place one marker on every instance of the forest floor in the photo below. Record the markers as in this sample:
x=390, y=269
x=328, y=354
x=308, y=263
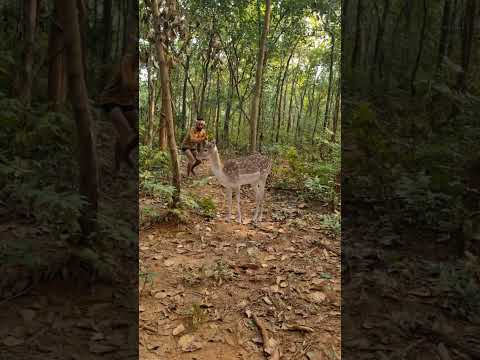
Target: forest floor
x=50, y=307
x=203, y=282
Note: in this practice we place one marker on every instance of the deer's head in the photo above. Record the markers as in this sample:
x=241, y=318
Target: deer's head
x=207, y=150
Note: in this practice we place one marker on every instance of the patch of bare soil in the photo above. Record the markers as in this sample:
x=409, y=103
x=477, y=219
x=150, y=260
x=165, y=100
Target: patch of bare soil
x=212, y=290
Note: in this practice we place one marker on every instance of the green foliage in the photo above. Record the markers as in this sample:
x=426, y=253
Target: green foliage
x=207, y=207
x=202, y=205
x=313, y=177
x=151, y=186
x=332, y=222
x=153, y=160
x=149, y=215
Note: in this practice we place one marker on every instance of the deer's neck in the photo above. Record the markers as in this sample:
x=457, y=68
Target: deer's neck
x=217, y=167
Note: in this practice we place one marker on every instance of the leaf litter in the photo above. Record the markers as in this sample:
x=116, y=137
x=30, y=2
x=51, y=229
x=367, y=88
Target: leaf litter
x=241, y=291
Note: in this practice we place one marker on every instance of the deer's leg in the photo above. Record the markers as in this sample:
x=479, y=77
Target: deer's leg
x=228, y=192
x=257, y=202
x=261, y=192
x=239, y=210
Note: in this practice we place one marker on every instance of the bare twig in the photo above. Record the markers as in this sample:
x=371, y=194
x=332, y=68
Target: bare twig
x=270, y=347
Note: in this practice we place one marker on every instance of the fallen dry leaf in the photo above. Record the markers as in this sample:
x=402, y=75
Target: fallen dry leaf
x=189, y=343
x=178, y=330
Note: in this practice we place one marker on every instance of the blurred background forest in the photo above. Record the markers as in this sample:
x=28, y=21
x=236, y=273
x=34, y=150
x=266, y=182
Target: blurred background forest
x=42, y=145
x=410, y=175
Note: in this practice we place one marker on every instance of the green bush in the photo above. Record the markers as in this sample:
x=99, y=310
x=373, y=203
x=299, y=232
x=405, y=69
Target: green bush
x=312, y=176
x=153, y=160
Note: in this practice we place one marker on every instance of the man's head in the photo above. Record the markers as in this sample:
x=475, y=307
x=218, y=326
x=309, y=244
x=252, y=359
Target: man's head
x=200, y=124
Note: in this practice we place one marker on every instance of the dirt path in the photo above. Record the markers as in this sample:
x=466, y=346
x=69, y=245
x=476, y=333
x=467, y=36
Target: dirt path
x=201, y=280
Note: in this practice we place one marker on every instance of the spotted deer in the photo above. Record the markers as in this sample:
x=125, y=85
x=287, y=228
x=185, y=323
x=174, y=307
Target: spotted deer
x=232, y=174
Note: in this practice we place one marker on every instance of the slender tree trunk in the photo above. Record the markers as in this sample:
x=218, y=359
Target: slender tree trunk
x=290, y=106
x=311, y=101
x=205, y=80
x=162, y=128
x=259, y=79
x=378, y=56
x=275, y=106
x=151, y=103
x=206, y=113
x=317, y=116
x=471, y=18
x=260, y=115
x=57, y=77
x=335, y=114
x=167, y=109
x=228, y=109
x=79, y=98
x=184, y=94
x=444, y=34
x=420, y=48
x=83, y=24
x=107, y=30
x=330, y=81
x=280, y=109
x=300, y=113
x=217, y=113
x=240, y=116
x=25, y=80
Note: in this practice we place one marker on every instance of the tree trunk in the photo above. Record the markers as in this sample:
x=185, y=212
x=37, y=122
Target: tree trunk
x=420, y=48
x=162, y=128
x=167, y=109
x=228, y=109
x=107, y=30
x=330, y=81
x=335, y=114
x=217, y=113
x=130, y=35
x=184, y=95
x=79, y=98
x=25, y=80
x=468, y=37
x=290, y=106
x=240, y=117
x=83, y=25
x=280, y=109
x=151, y=103
x=205, y=80
x=317, y=116
x=275, y=106
x=259, y=79
x=57, y=79
x=444, y=34
x=300, y=113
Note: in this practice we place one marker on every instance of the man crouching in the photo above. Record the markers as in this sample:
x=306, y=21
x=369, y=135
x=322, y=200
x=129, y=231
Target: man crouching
x=195, y=137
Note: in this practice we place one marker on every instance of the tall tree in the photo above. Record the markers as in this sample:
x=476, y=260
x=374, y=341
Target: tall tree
x=259, y=78
x=107, y=30
x=57, y=78
x=25, y=79
x=87, y=159
x=162, y=37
